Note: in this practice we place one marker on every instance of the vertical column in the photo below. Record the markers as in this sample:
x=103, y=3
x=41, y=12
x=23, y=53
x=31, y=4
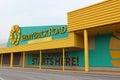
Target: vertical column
x=63, y=66
x=86, y=50
x=40, y=64
x=23, y=60
x=1, y=59
x=11, y=60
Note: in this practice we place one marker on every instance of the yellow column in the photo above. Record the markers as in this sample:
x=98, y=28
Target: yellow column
x=40, y=63
x=1, y=59
x=86, y=51
x=63, y=67
x=23, y=60
x=11, y=60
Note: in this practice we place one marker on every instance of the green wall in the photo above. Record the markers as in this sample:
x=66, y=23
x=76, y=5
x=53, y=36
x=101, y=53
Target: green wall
x=98, y=57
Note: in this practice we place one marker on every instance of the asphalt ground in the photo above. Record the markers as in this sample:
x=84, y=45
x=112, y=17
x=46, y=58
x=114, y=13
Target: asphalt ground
x=35, y=74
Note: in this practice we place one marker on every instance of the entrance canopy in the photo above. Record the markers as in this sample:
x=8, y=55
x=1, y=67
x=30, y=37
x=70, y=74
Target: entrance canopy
x=71, y=41
x=104, y=29
x=104, y=13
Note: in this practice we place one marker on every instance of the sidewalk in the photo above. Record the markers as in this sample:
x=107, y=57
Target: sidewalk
x=112, y=71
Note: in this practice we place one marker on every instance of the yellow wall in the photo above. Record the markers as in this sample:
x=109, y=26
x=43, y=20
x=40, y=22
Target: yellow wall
x=78, y=40
x=115, y=49
x=100, y=14
x=40, y=40
x=71, y=41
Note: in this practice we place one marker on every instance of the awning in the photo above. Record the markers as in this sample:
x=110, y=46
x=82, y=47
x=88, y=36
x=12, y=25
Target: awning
x=73, y=40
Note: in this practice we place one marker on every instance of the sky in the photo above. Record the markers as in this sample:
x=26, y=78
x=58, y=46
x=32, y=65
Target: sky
x=36, y=13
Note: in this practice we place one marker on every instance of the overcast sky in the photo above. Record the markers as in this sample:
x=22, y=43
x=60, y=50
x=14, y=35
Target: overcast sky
x=36, y=12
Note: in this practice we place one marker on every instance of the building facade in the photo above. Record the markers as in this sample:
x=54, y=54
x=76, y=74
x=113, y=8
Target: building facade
x=91, y=39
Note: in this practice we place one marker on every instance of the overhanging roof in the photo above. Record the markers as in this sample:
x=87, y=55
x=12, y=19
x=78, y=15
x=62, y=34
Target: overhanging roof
x=104, y=29
x=104, y=13
x=71, y=41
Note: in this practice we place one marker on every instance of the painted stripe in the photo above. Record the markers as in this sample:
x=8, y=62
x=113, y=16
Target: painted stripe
x=116, y=63
x=40, y=40
x=113, y=49
x=115, y=54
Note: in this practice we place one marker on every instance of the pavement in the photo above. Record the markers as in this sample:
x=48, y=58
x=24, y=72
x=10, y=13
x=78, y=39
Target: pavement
x=47, y=74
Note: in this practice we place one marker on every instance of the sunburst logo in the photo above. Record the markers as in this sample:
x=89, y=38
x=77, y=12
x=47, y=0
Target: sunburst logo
x=15, y=35
x=115, y=49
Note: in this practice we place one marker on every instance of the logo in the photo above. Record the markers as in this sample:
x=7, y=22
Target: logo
x=15, y=35
x=115, y=49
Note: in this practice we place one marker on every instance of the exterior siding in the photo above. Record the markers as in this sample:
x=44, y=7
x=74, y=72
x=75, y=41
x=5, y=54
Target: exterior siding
x=100, y=14
x=78, y=41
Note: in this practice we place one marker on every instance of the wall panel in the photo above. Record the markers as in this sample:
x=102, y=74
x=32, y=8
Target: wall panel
x=100, y=14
